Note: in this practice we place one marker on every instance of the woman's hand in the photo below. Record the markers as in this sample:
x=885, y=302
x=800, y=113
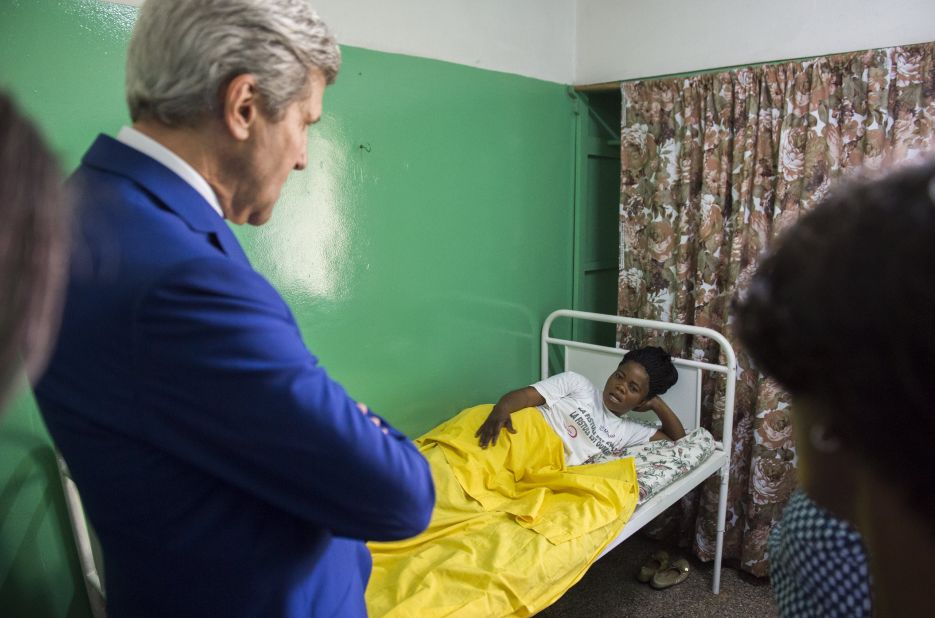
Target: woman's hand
x=500, y=415
x=672, y=428
x=490, y=430
x=647, y=406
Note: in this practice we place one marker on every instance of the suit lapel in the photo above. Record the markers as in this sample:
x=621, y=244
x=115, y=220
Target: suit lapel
x=229, y=244
x=167, y=187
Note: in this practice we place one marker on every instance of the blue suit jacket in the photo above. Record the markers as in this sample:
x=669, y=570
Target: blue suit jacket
x=225, y=473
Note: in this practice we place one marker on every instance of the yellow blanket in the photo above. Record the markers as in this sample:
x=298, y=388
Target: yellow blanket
x=512, y=529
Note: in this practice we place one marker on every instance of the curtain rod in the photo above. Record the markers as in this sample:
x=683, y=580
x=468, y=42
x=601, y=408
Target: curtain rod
x=602, y=87
x=612, y=86
x=608, y=86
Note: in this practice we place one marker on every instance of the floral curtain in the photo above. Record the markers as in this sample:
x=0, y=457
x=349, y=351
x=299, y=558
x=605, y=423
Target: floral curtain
x=713, y=167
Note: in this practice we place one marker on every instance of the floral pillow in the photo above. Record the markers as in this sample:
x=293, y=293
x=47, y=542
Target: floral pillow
x=660, y=463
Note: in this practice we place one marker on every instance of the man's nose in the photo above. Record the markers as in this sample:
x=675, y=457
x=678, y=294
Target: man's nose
x=303, y=160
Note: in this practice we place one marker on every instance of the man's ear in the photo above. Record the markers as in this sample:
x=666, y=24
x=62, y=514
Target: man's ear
x=241, y=106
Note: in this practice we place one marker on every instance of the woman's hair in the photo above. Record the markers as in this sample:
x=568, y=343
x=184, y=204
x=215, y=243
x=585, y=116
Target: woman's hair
x=32, y=246
x=658, y=365
x=843, y=312
x=184, y=52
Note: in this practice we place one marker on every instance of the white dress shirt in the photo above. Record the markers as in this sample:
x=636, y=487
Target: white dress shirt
x=151, y=148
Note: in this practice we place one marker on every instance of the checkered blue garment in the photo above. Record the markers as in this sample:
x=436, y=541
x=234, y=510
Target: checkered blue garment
x=818, y=565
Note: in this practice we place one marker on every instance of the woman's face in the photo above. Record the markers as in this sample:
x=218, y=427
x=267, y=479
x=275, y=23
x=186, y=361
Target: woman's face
x=626, y=388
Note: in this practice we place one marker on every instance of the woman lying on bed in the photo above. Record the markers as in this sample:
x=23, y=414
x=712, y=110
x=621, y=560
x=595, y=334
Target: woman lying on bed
x=515, y=526
x=587, y=419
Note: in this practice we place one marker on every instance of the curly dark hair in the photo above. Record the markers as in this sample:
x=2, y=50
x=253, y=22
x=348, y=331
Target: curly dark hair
x=658, y=365
x=843, y=312
x=32, y=245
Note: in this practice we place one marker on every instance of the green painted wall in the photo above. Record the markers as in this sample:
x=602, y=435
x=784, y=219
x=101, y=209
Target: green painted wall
x=420, y=251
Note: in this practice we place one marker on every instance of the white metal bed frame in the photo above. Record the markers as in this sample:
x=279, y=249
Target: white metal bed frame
x=597, y=362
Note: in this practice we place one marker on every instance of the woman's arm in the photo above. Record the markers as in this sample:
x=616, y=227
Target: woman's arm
x=672, y=428
x=499, y=417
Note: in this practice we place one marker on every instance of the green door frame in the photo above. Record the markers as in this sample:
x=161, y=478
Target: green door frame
x=595, y=142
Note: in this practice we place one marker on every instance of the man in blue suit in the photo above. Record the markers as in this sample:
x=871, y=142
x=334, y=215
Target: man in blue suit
x=225, y=473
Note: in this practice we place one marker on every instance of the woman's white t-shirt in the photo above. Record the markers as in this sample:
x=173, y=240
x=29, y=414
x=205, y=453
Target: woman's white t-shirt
x=590, y=432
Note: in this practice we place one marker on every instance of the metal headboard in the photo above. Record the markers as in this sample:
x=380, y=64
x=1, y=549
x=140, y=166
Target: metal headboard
x=685, y=395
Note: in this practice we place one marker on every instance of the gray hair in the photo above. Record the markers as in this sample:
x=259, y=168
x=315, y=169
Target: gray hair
x=183, y=52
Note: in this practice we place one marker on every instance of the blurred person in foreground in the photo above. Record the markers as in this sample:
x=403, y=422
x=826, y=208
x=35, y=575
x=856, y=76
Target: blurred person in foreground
x=225, y=473
x=842, y=315
x=32, y=247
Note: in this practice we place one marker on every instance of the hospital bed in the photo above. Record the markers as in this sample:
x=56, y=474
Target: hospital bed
x=597, y=362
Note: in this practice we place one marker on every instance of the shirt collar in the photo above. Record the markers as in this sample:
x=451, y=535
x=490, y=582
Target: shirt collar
x=151, y=148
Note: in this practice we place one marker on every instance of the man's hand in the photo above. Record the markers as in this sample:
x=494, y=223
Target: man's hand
x=373, y=419
x=490, y=430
